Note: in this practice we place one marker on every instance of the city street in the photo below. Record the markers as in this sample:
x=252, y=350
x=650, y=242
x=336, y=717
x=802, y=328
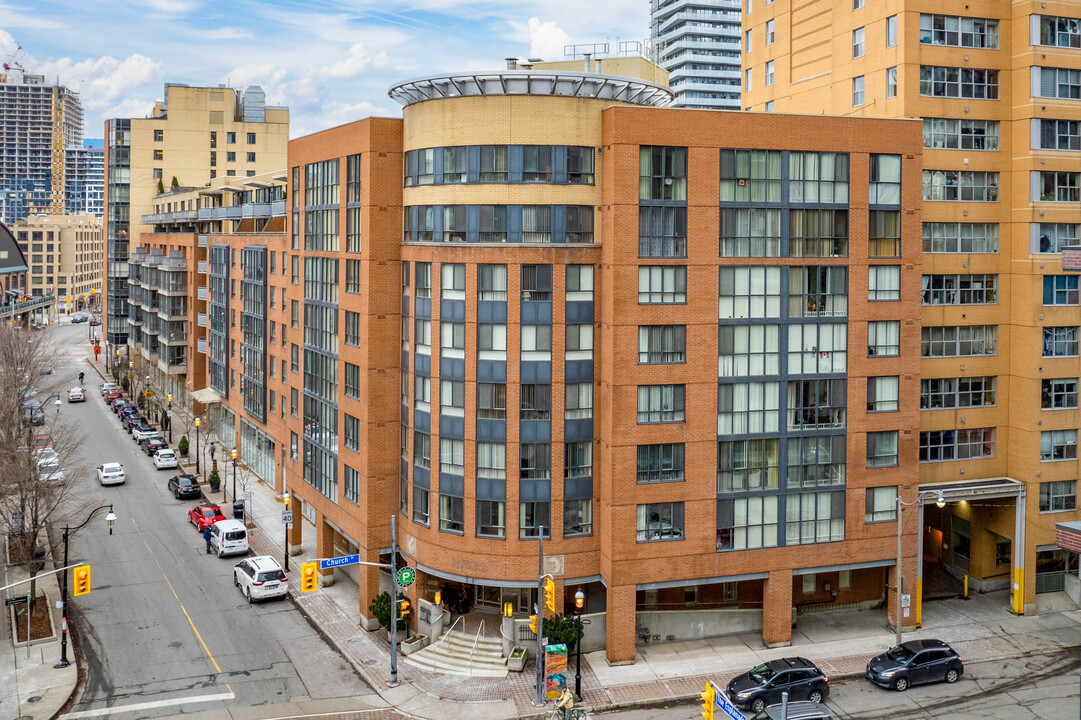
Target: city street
x=1038, y=686
x=164, y=631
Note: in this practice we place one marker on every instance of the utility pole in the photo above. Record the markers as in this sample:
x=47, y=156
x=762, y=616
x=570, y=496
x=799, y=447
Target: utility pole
x=393, y=682
x=539, y=700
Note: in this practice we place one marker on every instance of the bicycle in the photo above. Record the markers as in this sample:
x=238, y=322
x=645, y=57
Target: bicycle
x=559, y=713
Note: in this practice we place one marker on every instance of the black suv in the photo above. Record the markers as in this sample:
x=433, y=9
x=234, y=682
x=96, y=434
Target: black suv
x=914, y=663
x=152, y=445
x=184, y=487
x=763, y=685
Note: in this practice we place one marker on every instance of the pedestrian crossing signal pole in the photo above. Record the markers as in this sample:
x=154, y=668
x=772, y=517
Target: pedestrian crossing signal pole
x=393, y=682
x=539, y=700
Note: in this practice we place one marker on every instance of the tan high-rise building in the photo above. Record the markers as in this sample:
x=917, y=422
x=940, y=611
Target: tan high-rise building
x=63, y=253
x=998, y=86
x=194, y=137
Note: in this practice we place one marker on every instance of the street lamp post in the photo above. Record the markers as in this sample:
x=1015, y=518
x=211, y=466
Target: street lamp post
x=233, y=453
x=110, y=518
x=579, y=601
x=198, y=471
x=940, y=501
x=286, y=500
x=169, y=415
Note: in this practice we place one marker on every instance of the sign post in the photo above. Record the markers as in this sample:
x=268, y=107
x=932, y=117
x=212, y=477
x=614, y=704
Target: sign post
x=722, y=702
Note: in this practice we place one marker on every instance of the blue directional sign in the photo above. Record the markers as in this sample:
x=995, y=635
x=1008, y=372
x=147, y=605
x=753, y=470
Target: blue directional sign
x=721, y=701
x=339, y=561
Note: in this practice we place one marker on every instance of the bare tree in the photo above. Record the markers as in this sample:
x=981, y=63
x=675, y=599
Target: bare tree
x=38, y=450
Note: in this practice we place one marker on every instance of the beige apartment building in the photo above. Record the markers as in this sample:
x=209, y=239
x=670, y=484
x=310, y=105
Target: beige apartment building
x=998, y=86
x=64, y=255
x=194, y=138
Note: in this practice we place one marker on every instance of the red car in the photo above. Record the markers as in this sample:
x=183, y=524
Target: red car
x=112, y=395
x=203, y=516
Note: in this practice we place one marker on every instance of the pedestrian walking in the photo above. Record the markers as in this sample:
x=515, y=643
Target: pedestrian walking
x=206, y=536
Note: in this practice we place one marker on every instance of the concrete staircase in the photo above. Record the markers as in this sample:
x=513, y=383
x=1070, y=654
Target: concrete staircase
x=451, y=656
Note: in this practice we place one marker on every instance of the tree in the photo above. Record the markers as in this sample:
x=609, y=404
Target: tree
x=379, y=607
x=32, y=491
x=175, y=184
x=161, y=187
x=562, y=629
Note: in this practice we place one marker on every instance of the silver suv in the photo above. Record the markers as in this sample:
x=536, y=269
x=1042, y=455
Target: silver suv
x=260, y=578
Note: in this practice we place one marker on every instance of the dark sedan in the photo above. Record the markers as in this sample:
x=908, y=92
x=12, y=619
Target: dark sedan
x=154, y=444
x=763, y=684
x=914, y=663
x=184, y=487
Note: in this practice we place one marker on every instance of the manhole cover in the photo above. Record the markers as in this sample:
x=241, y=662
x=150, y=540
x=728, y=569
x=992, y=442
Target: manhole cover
x=33, y=698
x=24, y=717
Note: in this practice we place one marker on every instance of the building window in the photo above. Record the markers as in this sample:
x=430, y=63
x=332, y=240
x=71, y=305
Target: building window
x=815, y=518
x=884, y=234
x=958, y=341
x=1060, y=341
x=816, y=461
x=884, y=282
x=661, y=404
x=422, y=449
x=858, y=46
x=882, y=504
x=857, y=4
x=352, y=328
x=1062, y=83
x=660, y=284
x=954, y=134
x=353, y=270
x=1061, y=290
x=658, y=344
x=748, y=350
x=352, y=485
x=769, y=73
x=960, y=185
x=662, y=173
x=1058, y=496
x=159, y=155
x=885, y=180
x=884, y=338
x=159, y=135
x=883, y=394
x=660, y=521
x=964, y=238
x=769, y=106
x=230, y=157
x=157, y=173
x=954, y=82
x=578, y=403
x=750, y=292
x=750, y=176
x=579, y=340
x=451, y=456
x=579, y=165
x=491, y=519
x=882, y=449
x=817, y=348
x=816, y=404
x=941, y=393
x=744, y=407
x=451, y=514
x=891, y=33
x=1058, y=394
x=954, y=31
x=422, y=393
x=493, y=164
x=536, y=402
x=1058, y=445
x=750, y=232
x=1060, y=187
x=532, y=517
x=535, y=338
x=492, y=461
x=748, y=84
x=857, y=91
x=251, y=157
x=891, y=82
x=1060, y=31
x=577, y=517
x=747, y=44
x=960, y=289
x=352, y=381
x=744, y=465
x=251, y=138
x=940, y=445
x=661, y=463
x=662, y=231
x=537, y=283
x=577, y=460
x=812, y=233
x=746, y=523
x=492, y=282
x=421, y=497
x=452, y=398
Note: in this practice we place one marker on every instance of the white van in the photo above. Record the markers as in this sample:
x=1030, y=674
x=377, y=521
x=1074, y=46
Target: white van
x=229, y=537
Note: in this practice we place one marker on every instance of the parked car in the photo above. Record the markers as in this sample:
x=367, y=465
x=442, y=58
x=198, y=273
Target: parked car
x=111, y=474
x=153, y=444
x=95, y=321
x=109, y=387
x=165, y=459
x=796, y=711
x=112, y=396
x=762, y=685
x=49, y=470
x=184, y=487
x=260, y=578
x=33, y=413
x=144, y=431
x=42, y=440
x=76, y=395
x=914, y=663
x=76, y=319
x=203, y=515
x=126, y=410
x=229, y=537
x=131, y=420
x=118, y=401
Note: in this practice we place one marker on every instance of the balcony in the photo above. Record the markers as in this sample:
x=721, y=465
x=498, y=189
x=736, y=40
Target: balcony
x=201, y=292
x=201, y=345
x=202, y=241
x=201, y=320
x=11, y=309
x=277, y=208
x=201, y=267
x=227, y=212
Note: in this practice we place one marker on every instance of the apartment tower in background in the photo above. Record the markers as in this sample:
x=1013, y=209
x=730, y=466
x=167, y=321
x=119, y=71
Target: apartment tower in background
x=998, y=86
x=698, y=43
x=39, y=123
x=84, y=179
x=64, y=256
x=193, y=137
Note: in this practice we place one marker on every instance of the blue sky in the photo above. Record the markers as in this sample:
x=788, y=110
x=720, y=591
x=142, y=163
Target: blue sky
x=330, y=61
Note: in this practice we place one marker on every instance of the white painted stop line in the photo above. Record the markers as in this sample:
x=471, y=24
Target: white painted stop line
x=101, y=712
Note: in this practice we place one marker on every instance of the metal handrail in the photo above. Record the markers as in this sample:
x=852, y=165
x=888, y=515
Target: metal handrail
x=474, y=650
x=461, y=619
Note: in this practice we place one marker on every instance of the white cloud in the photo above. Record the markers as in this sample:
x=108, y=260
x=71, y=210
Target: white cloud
x=104, y=80
x=224, y=33
x=356, y=61
x=171, y=7
x=546, y=39
x=12, y=18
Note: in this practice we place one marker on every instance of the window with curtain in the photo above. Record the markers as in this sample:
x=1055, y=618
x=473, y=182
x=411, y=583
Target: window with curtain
x=815, y=404
x=536, y=223
x=492, y=282
x=816, y=461
x=662, y=173
x=661, y=404
x=750, y=176
x=881, y=504
x=882, y=449
x=884, y=338
x=493, y=163
x=750, y=232
x=817, y=348
x=883, y=394
x=748, y=350
x=745, y=465
x=455, y=164
x=491, y=460
x=815, y=518
x=537, y=163
x=658, y=522
x=818, y=291
x=747, y=408
x=747, y=523
x=661, y=344
x=662, y=284
x=454, y=223
x=579, y=165
x=661, y=463
x=662, y=231
x=884, y=234
x=816, y=233
x=750, y=292
x=884, y=181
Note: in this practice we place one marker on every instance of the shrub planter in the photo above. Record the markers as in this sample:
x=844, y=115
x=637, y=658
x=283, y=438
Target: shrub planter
x=516, y=661
x=416, y=642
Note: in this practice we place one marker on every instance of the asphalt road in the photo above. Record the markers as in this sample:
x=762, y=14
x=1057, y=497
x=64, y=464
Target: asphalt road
x=1035, y=687
x=164, y=631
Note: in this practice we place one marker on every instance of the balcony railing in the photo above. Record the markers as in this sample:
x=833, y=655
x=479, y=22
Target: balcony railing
x=26, y=304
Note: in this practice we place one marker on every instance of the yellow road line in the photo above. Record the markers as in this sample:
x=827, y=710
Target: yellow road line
x=182, y=608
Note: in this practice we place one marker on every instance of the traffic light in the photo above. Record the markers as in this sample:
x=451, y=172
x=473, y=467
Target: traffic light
x=307, y=577
x=403, y=608
x=550, y=594
x=709, y=700
x=533, y=624
x=82, y=580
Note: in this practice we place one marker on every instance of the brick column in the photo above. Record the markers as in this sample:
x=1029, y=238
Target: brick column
x=620, y=635
x=296, y=533
x=777, y=609
x=368, y=580
x=324, y=543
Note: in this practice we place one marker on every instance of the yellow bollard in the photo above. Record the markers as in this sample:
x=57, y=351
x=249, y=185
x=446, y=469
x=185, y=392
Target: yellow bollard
x=966, y=587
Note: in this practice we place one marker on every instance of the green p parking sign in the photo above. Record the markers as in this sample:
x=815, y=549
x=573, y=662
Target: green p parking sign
x=406, y=577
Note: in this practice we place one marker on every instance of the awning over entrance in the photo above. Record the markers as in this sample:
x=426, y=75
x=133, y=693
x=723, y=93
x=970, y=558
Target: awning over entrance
x=206, y=396
x=971, y=490
x=490, y=582
x=1068, y=536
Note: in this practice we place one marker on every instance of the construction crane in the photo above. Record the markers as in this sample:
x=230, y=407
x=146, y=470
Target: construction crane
x=13, y=60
